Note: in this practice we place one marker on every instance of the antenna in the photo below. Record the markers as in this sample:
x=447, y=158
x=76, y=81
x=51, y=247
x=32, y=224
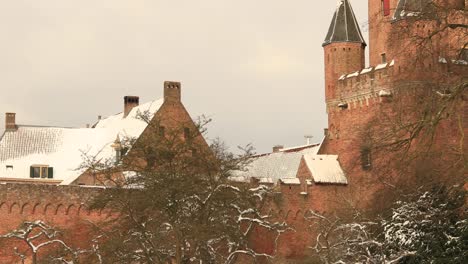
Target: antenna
x=308, y=139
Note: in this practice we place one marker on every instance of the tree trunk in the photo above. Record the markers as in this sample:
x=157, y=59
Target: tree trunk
x=178, y=248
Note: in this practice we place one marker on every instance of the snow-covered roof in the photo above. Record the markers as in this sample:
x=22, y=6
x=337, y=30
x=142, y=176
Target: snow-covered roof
x=325, y=169
x=276, y=165
x=292, y=181
x=63, y=148
x=412, y=8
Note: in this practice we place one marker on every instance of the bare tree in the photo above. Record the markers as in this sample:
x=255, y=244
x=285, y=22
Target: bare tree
x=176, y=203
x=37, y=235
x=426, y=227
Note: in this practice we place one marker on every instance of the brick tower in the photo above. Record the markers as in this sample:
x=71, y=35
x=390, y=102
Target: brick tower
x=344, y=47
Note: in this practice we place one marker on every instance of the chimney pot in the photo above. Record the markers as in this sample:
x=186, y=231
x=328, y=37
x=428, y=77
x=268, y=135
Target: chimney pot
x=277, y=148
x=129, y=103
x=172, y=91
x=10, y=122
x=99, y=117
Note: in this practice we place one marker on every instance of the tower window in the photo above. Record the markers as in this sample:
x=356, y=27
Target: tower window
x=162, y=131
x=366, y=159
x=186, y=133
x=464, y=54
x=385, y=7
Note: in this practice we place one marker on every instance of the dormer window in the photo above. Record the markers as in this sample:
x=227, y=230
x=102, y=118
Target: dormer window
x=41, y=171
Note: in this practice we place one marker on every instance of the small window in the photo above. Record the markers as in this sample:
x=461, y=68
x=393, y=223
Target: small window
x=194, y=152
x=118, y=155
x=186, y=133
x=385, y=7
x=162, y=131
x=366, y=159
x=384, y=57
x=41, y=171
x=464, y=54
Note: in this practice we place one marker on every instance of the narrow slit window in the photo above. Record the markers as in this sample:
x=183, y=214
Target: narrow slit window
x=162, y=131
x=186, y=133
x=366, y=158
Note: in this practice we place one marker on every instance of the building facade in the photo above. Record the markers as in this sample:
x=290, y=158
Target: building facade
x=392, y=124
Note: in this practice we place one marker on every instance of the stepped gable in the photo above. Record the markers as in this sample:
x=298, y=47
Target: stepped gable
x=344, y=26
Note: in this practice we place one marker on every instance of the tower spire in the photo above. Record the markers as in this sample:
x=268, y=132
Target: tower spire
x=344, y=26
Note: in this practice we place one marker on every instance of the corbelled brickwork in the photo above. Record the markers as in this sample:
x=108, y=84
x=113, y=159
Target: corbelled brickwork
x=63, y=207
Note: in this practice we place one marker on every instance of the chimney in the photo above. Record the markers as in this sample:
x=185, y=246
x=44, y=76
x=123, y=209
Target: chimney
x=10, y=122
x=277, y=148
x=171, y=91
x=308, y=139
x=129, y=103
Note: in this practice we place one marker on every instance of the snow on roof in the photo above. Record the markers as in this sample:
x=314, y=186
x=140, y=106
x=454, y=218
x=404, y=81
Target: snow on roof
x=290, y=181
x=63, y=148
x=277, y=165
x=325, y=169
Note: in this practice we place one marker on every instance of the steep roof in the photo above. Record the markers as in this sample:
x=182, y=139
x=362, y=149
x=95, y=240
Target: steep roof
x=412, y=8
x=325, y=169
x=344, y=26
x=63, y=148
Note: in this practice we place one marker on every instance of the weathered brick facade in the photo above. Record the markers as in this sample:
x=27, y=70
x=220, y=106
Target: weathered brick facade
x=360, y=103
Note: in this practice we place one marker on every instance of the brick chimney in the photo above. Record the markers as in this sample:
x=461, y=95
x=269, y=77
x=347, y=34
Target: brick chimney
x=171, y=91
x=129, y=103
x=277, y=148
x=10, y=122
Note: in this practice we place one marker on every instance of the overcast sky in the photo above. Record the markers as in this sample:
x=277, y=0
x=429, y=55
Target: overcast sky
x=254, y=66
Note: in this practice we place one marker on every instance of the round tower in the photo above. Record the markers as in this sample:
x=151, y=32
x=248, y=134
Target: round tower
x=344, y=48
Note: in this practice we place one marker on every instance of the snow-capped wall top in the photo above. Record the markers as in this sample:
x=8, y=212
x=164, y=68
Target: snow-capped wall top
x=63, y=148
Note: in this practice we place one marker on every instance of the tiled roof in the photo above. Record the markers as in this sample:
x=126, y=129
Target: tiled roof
x=63, y=148
x=277, y=165
x=344, y=26
x=30, y=140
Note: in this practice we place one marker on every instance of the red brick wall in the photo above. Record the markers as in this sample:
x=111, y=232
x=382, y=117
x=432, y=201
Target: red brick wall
x=63, y=207
x=341, y=58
